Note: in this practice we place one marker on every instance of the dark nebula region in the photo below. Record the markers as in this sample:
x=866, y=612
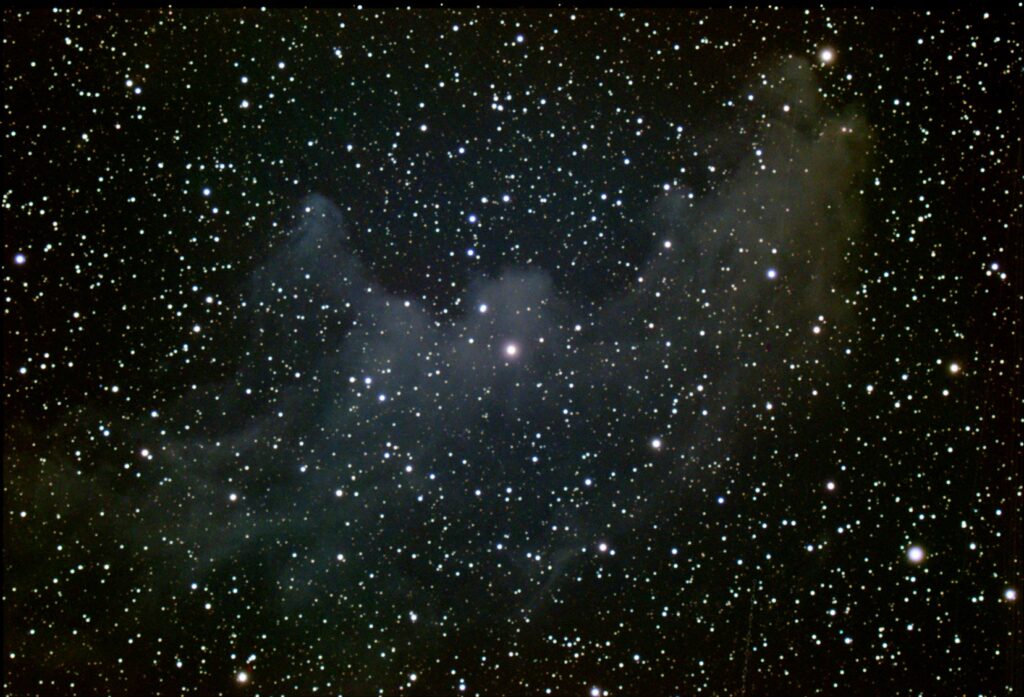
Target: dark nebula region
x=597, y=353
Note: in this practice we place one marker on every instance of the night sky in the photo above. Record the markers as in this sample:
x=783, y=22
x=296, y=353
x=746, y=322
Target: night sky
x=593, y=353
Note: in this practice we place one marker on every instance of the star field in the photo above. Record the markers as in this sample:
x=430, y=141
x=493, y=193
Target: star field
x=430, y=352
